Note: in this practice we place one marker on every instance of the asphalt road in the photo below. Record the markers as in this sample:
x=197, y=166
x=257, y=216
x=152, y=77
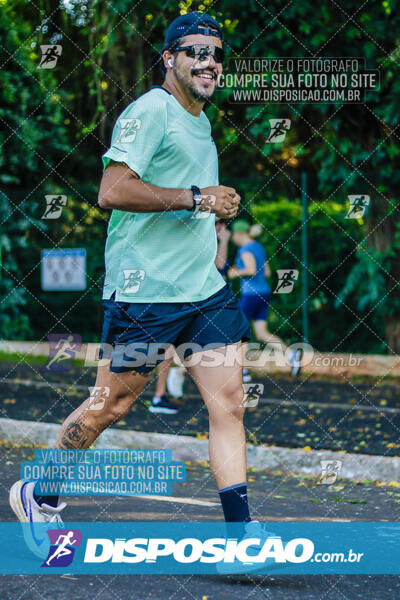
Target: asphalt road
x=360, y=415
x=274, y=496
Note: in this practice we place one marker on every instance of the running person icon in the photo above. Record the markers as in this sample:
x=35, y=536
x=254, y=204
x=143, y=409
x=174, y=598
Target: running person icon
x=65, y=351
x=55, y=205
x=163, y=189
x=49, y=56
x=287, y=280
x=279, y=129
x=357, y=207
x=62, y=549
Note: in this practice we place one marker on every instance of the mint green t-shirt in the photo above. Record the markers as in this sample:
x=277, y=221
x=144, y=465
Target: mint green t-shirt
x=164, y=256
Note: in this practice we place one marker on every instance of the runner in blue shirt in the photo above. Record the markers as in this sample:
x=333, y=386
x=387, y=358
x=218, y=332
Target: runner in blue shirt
x=252, y=267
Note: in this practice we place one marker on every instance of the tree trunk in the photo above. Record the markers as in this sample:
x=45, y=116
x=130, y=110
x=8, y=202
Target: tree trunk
x=392, y=334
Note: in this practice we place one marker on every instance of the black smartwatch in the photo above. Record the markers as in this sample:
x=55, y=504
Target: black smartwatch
x=196, y=197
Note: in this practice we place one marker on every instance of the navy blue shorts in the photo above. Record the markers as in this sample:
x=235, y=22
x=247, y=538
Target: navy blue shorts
x=135, y=331
x=255, y=306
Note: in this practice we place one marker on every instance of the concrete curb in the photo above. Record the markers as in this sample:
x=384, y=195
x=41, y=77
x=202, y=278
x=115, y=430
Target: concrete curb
x=291, y=460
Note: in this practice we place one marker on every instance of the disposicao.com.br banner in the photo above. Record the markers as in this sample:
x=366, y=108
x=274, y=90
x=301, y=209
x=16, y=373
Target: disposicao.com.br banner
x=194, y=547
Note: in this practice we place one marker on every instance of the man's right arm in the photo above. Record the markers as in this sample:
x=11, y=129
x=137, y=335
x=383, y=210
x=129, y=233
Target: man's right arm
x=122, y=189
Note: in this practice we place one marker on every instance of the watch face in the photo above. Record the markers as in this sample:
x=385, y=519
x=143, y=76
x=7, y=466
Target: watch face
x=196, y=192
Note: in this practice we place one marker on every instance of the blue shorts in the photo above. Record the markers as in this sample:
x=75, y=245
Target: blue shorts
x=255, y=306
x=135, y=331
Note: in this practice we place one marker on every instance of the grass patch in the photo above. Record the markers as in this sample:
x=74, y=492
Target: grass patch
x=32, y=359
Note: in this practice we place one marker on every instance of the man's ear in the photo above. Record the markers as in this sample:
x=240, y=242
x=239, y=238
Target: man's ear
x=168, y=60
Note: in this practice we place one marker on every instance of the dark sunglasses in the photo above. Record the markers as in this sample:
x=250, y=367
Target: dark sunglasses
x=202, y=51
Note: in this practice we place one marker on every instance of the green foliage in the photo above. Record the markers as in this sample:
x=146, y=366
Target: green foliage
x=329, y=259
x=13, y=322
x=33, y=136
x=366, y=281
x=33, y=140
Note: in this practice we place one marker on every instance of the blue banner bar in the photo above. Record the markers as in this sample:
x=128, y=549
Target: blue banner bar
x=172, y=547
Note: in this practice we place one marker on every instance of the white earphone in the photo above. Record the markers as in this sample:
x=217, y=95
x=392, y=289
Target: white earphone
x=170, y=62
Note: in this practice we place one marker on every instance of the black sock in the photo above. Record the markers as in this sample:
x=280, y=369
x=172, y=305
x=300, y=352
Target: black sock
x=51, y=500
x=234, y=503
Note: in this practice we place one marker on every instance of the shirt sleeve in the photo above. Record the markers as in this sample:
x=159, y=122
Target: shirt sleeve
x=224, y=269
x=138, y=133
x=238, y=259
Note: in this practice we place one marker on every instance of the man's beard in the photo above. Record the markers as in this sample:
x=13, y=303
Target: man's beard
x=190, y=85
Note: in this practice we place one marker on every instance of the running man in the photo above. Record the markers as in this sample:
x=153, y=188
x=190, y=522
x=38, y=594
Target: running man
x=162, y=187
x=252, y=267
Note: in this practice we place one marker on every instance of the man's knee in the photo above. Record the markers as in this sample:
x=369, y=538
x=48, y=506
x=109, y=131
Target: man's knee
x=229, y=403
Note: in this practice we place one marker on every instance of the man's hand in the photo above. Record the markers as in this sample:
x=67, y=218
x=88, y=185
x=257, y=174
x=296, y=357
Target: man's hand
x=221, y=200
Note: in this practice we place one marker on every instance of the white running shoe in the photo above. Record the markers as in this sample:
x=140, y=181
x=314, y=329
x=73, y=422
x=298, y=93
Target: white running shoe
x=27, y=510
x=253, y=529
x=175, y=380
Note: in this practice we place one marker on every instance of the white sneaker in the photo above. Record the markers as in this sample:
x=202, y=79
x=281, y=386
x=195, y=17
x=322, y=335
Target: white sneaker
x=163, y=405
x=175, y=381
x=253, y=529
x=27, y=510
